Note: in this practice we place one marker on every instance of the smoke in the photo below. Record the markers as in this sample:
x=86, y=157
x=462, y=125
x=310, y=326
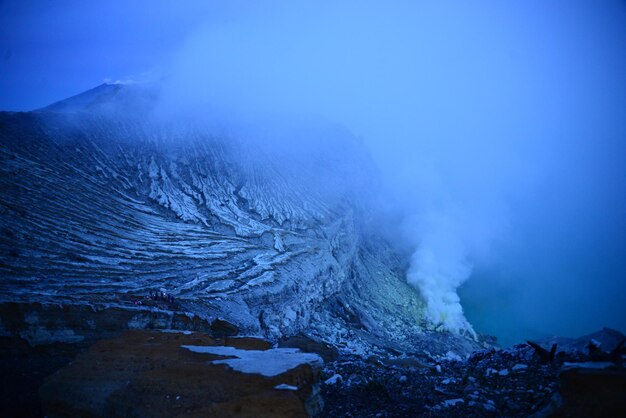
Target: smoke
x=468, y=110
x=439, y=266
x=498, y=127
x=395, y=78
x=355, y=65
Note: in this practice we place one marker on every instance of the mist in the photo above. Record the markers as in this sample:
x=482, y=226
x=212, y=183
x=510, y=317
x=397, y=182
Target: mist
x=499, y=129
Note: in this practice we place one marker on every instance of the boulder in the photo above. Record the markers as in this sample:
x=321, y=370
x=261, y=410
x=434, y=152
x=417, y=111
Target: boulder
x=592, y=390
x=222, y=328
x=306, y=344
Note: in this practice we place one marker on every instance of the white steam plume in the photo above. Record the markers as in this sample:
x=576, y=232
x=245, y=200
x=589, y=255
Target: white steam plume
x=438, y=267
x=480, y=116
x=376, y=70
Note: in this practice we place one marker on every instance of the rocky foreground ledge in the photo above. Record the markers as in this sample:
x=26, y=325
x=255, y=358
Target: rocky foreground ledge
x=65, y=361
x=190, y=374
x=173, y=374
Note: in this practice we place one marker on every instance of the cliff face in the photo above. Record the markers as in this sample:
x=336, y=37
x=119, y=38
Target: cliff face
x=102, y=203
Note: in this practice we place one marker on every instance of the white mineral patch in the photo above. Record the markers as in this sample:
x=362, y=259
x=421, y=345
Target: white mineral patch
x=284, y=386
x=452, y=356
x=336, y=378
x=588, y=365
x=451, y=402
x=267, y=363
x=176, y=331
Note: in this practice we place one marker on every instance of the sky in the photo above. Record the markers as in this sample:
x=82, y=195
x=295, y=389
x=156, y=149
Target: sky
x=499, y=127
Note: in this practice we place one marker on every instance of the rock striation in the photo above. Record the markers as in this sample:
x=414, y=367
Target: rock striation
x=117, y=217
x=102, y=202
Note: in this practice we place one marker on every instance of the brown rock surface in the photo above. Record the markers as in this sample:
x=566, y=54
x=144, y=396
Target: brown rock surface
x=37, y=339
x=591, y=392
x=148, y=373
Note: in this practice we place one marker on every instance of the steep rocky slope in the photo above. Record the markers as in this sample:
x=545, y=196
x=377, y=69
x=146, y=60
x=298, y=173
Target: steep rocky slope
x=102, y=202
x=271, y=231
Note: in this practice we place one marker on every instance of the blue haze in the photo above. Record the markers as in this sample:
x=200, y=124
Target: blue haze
x=500, y=127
